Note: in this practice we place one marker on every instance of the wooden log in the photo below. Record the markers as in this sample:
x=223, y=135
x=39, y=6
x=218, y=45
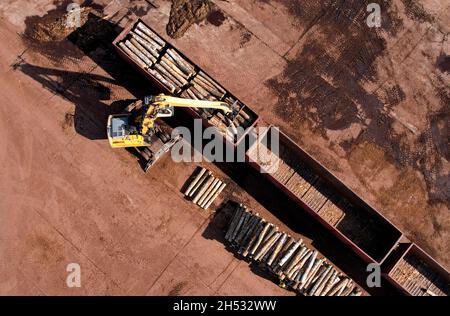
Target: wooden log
x=205, y=83
x=143, y=51
x=215, y=195
x=320, y=280
x=338, y=286
x=203, y=188
x=300, y=265
x=152, y=44
x=242, y=213
x=207, y=88
x=199, y=182
x=277, y=250
x=324, y=282
x=348, y=289
x=147, y=46
x=242, y=222
x=194, y=182
x=265, y=247
x=268, y=253
x=246, y=239
x=312, y=275
x=181, y=61
x=334, y=279
x=250, y=223
x=207, y=192
x=174, y=67
x=308, y=269
x=296, y=259
x=187, y=71
x=168, y=75
x=260, y=238
x=343, y=289
x=283, y=250
x=204, y=77
x=254, y=237
x=191, y=95
x=151, y=34
x=174, y=73
x=136, y=51
x=213, y=191
x=290, y=252
x=236, y=216
x=133, y=56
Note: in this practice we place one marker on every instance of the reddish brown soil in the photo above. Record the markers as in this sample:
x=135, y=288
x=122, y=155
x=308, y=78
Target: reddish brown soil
x=371, y=105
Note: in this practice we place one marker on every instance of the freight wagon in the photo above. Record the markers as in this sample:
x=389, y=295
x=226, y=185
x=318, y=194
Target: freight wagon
x=415, y=273
x=325, y=197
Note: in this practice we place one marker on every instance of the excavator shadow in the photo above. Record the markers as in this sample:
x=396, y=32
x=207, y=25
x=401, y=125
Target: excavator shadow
x=88, y=92
x=96, y=93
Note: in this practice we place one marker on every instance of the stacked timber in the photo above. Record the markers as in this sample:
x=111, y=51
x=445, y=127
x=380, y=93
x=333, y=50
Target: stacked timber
x=296, y=266
x=244, y=118
x=418, y=278
x=203, y=87
x=149, y=51
x=204, y=188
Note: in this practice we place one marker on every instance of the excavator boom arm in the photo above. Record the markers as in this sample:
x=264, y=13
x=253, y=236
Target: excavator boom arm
x=164, y=101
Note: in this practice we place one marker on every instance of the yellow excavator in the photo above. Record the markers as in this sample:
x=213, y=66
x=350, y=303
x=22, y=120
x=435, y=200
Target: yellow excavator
x=137, y=127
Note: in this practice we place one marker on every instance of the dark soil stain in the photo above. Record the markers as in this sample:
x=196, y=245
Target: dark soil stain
x=176, y=290
x=414, y=9
x=216, y=18
x=327, y=89
x=185, y=13
x=436, y=145
x=246, y=36
x=69, y=120
x=443, y=63
x=394, y=95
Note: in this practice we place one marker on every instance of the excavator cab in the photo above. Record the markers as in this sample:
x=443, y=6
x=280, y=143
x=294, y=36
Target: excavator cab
x=122, y=134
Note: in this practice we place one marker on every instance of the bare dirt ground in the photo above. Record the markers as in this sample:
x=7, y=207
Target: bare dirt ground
x=372, y=105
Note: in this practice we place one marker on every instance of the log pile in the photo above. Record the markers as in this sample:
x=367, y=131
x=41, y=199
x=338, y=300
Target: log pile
x=204, y=188
x=149, y=51
x=295, y=265
x=418, y=278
